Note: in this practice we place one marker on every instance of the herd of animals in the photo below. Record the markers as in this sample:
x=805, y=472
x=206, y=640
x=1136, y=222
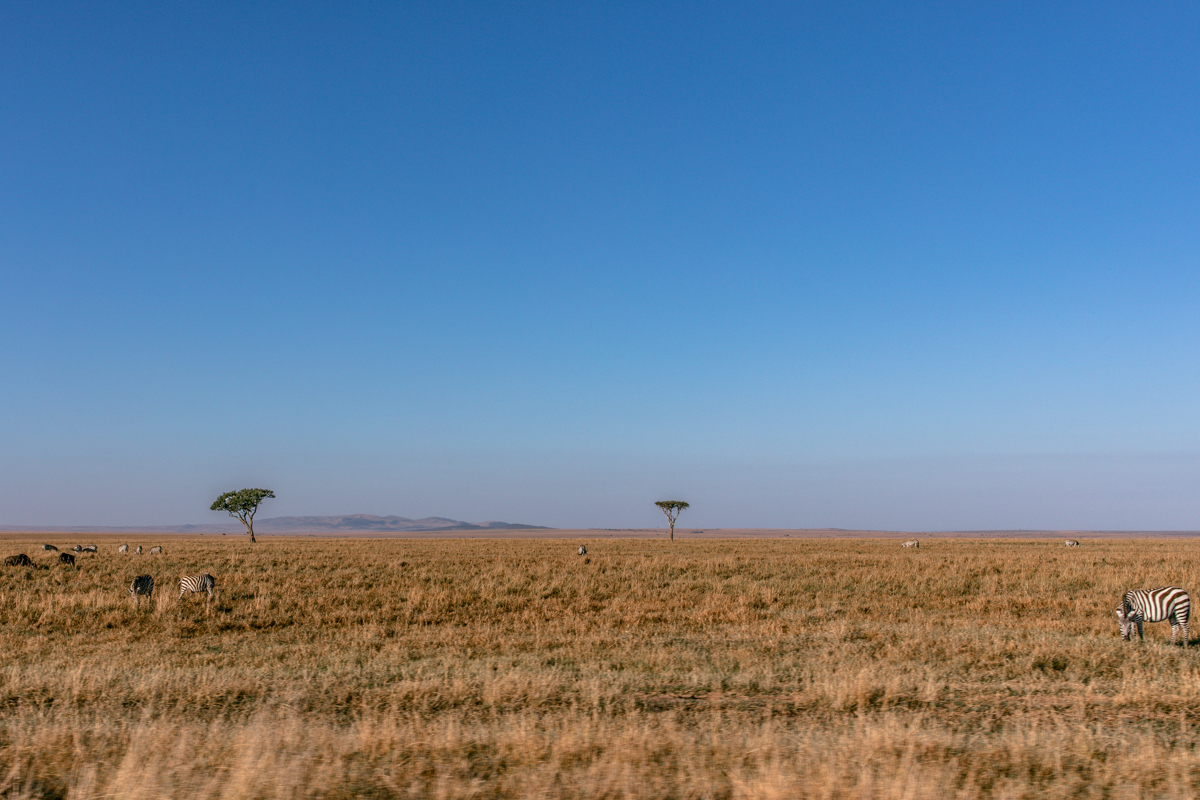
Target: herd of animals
x=142, y=585
x=1163, y=604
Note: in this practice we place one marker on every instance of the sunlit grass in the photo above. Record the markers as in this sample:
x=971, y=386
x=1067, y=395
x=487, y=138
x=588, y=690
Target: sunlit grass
x=515, y=668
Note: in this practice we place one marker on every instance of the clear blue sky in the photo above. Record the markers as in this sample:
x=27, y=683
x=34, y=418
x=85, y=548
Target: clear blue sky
x=851, y=264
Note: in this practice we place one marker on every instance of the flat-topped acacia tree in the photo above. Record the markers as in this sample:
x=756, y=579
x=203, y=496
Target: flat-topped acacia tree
x=671, y=508
x=242, y=505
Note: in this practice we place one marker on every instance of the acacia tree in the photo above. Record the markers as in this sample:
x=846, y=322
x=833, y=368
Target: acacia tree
x=242, y=505
x=671, y=508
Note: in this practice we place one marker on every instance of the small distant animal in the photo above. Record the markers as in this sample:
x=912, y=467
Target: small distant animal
x=155, y=549
x=91, y=548
x=142, y=585
x=582, y=550
x=19, y=560
x=1164, y=604
x=139, y=550
x=123, y=548
x=197, y=583
x=49, y=547
x=1071, y=543
x=78, y=548
x=66, y=558
x=911, y=543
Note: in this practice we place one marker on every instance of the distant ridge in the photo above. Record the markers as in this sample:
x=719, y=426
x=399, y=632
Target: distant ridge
x=349, y=523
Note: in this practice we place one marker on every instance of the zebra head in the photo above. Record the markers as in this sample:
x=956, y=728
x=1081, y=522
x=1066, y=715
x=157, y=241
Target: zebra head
x=1128, y=616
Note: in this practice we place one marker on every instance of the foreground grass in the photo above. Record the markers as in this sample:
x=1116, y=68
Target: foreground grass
x=515, y=668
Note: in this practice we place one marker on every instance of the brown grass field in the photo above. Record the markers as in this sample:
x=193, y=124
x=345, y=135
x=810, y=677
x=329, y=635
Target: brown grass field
x=511, y=668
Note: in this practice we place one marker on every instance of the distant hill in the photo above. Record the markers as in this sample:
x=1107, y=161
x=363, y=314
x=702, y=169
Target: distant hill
x=349, y=523
x=368, y=522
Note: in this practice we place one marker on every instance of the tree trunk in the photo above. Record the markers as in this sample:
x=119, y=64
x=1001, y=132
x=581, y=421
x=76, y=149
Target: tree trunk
x=672, y=530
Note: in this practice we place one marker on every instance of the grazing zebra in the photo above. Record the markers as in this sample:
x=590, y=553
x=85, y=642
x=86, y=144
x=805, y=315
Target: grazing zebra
x=49, y=547
x=155, y=549
x=911, y=543
x=78, y=548
x=66, y=558
x=1166, y=603
x=582, y=550
x=1071, y=543
x=139, y=550
x=19, y=560
x=197, y=583
x=142, y=585
x=91, y=548
x=123, y=548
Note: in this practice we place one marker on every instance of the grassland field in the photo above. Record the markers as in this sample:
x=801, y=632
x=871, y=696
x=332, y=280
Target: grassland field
x=511, y=668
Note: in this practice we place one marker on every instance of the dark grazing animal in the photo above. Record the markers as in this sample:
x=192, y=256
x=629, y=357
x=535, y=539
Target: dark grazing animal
x=66, y=558
x=142, y=585
x=1166, y=603
x=49, y=547
x=19, y=560
x=197, y=583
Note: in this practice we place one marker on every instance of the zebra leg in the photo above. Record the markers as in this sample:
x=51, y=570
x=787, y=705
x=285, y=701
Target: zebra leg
x=1141, y=636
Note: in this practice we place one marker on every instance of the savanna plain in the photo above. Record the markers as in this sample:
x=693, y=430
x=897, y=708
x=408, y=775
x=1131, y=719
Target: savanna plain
x=515, y=668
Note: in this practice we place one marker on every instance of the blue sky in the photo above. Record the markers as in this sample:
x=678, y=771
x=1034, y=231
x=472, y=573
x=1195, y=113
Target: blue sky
x=853, y=265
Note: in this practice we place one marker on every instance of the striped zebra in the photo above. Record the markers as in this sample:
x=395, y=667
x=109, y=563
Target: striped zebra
x=1071, y=543
x=49, y=547
x=142, y=585
x=1166, y=603
x=123, y=548
x=139, y=550
x=582, y=550
x=155, y=549
x=197, y=583
x=911, y=543
x=90, y=548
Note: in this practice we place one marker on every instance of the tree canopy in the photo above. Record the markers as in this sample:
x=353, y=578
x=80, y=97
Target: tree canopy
x=672, y=508
x=242, y=505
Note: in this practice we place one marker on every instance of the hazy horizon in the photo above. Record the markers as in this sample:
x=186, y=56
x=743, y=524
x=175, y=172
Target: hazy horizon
x=863, y=266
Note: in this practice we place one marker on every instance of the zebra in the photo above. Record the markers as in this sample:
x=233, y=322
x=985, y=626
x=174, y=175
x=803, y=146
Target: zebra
x=91, y=548
x=1166, y=603
x=155, y=549
x=123, y=548
x=19, y=560
x=78, y=548
x=1071, y=543
x=197, y=583
x=911, y=543
x=66, y=558
x=49, y=547
x=582, y=550
x=142, y=585
x=139, y=550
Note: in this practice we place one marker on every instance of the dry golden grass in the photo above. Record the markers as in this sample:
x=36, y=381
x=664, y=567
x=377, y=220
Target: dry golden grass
x=514, y=668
